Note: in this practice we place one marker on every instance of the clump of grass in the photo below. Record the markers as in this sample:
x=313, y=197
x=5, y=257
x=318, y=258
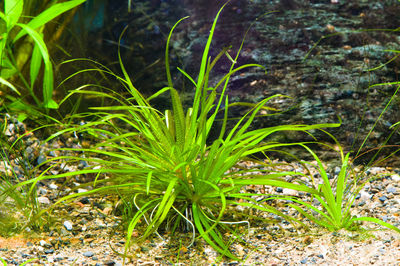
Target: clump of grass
x=162, y=164
x=336, y=197
x=169, y=174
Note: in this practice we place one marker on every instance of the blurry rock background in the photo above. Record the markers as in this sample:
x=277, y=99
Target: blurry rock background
x=327, y=78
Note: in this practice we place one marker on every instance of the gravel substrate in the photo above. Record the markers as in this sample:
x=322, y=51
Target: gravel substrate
x=87, y=232
x=90, y=239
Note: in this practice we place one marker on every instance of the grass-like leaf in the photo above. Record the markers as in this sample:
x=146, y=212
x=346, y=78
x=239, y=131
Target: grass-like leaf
x=166, y=165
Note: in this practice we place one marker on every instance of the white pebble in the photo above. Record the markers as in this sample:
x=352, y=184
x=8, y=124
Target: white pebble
x=81, y=190
x=68, y=225
x=376, y=170
x=44, y=200
x=289, y=192
x=53, y=186
x=396, y=177
x=364, y=196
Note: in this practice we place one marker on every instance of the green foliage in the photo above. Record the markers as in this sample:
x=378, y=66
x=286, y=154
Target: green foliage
x=163, y=165
x=16, y=41
x=169, y=173
x=335, y=197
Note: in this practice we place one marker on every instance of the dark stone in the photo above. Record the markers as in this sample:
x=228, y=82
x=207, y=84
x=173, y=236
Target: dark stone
x=304, y=261
x=383, y=198
x=84, y=200
x=49, y=251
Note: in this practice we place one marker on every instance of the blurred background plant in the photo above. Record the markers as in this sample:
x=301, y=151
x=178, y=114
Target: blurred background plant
x=25, y=36
x=19, y=205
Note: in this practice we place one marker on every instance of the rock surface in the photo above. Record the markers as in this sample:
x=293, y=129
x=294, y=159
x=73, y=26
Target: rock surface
x=325, y=55
x=320, y=53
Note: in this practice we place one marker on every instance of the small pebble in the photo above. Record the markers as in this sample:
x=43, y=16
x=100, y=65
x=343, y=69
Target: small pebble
x=88, y=254
x=44, y=200
x=84, y=200
x=49, y=251
x=41, y=159
x=42, y=191
x=82, y=164
x=396, y=178
x=391, y=189
x=375, y=170
x=290, y=192
x=82, y=190
x=364, y=196
x=53, y=186
x=383, y=198
x=337, y=170
x=304, y=261
x=68, y=225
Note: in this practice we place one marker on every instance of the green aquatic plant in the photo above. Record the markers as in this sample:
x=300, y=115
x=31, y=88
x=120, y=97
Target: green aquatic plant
x=164, y=166
x=169, y=174
x=22, y=41
x=335, y=197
